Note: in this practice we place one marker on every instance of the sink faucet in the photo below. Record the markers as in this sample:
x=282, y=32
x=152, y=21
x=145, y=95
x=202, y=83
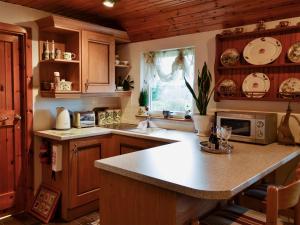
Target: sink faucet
x=148, y=121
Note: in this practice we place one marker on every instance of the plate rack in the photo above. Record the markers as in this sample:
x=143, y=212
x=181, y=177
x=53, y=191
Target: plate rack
x=278, y=71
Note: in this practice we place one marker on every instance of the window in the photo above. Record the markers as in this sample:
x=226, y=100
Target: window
x=164, y=73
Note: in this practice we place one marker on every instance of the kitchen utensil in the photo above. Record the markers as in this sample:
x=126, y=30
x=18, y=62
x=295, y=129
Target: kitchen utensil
x=62, y=119
x=230, y=57
x=293, y=53
x=262, y=51
x=289, y=87
x=227, y=87
x=256, y=85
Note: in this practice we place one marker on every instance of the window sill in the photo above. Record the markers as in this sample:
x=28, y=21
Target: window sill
x=162, y=118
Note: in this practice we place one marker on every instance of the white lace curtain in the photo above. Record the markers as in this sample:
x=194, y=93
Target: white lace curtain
x=156, y=67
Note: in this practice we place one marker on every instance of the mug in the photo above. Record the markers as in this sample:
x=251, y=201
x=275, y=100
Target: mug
x=69, y=55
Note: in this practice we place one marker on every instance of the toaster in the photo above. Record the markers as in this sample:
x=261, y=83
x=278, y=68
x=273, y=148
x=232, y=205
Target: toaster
x=84, y=119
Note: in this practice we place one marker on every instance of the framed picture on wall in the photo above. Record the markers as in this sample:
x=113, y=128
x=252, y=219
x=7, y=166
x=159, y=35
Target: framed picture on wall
x=45, y=203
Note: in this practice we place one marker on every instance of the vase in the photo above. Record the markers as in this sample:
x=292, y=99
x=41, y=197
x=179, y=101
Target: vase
x=142, y=110
x=202, y=124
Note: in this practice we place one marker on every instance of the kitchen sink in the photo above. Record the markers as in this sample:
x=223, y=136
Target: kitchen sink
x=146, y=130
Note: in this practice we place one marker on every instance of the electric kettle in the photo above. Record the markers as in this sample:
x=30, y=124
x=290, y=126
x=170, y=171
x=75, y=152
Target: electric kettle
x=63, y=121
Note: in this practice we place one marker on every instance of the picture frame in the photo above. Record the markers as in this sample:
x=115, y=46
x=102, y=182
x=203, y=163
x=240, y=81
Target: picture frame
x=45, y=203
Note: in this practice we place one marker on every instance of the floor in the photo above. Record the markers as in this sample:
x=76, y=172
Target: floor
x=27, y=219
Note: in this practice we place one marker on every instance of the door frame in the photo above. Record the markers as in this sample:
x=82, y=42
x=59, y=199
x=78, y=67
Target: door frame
x=26, y=84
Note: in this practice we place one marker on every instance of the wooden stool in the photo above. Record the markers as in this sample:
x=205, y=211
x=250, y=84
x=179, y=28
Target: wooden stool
x=278, y=198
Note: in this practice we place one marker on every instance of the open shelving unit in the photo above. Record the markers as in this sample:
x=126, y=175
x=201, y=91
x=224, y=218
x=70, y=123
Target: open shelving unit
x=66, y=40
x=278, y=71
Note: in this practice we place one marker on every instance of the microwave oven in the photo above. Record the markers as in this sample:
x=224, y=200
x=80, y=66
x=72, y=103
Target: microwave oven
x=252, y=127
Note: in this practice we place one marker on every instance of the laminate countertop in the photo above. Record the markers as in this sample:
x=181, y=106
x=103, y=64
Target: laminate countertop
x=180, y=166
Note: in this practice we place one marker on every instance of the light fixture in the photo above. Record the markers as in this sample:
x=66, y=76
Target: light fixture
x=109, y=3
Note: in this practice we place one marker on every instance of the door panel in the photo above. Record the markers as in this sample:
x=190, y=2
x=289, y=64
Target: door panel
x=84, y=177
x=10, y=130
x=98, y=60
x=98, y=63
x=86, y=158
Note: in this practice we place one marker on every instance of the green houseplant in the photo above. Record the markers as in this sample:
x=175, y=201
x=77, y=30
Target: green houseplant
x=204, y=83
x=143, y=102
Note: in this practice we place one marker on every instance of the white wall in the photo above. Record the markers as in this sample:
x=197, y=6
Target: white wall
x=204, y=44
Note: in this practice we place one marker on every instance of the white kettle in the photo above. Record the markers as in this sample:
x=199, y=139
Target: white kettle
x=63, y=121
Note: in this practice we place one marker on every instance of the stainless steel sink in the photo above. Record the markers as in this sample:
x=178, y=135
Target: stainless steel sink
x=146, y=130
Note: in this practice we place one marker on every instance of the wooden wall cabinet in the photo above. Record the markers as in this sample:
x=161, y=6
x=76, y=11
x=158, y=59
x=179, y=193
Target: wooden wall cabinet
x=98, y=57
x=93, y=69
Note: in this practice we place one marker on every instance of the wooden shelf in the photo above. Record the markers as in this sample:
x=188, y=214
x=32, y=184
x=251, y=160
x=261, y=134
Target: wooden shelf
x=123, y=93
x=162, y=118
x=59, y=61
x=122, y=66
x=268, y=32
x=238, y=67
x=60, y=94
x=257, y=99
x=278, y=71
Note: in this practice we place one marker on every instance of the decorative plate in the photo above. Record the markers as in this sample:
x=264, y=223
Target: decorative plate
x=230, y=57
x=294, y=53
x=256, y=85
x=227, y=87
x=289, y=86
x=262, y=51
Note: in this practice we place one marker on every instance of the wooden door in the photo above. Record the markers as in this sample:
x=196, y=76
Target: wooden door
x=84, y=176
x=11, y=177
x=98, y=58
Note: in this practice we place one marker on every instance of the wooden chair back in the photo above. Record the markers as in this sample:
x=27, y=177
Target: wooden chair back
x=283, y=198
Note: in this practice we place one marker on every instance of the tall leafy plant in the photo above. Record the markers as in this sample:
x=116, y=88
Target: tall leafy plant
x=144, y=98
x=204, y=89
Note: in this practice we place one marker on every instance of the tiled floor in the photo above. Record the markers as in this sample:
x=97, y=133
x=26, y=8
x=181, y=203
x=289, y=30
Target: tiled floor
x=26, y=219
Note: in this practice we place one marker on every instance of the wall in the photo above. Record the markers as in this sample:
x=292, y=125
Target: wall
x=204, y=44
x=44, y=110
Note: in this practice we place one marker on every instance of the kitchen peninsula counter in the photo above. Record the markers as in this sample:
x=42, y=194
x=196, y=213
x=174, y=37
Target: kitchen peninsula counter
x=174, y=182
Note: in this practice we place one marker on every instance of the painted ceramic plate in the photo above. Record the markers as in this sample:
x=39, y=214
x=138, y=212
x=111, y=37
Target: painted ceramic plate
x=227, y=87
x=262, y=51
x=294, y=53
x=289, y=87
x=230, y=57
x=256, y=85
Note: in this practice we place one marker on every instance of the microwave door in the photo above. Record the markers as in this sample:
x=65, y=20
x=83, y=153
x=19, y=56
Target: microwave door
x=242, y=129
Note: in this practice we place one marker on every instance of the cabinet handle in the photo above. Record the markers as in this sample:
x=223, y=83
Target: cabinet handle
x=86, y=85
x=75, y=149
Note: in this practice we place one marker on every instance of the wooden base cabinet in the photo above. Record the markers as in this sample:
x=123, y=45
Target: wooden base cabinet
x=79, y=180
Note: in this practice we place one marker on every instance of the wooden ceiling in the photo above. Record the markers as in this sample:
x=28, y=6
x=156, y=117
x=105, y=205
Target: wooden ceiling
x=152, y=19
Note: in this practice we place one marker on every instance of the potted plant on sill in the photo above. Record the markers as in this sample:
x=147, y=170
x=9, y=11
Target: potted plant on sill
x=143, y=102
x=202, y=120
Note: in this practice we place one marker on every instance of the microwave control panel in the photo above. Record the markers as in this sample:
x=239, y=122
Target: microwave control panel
x=260, y=129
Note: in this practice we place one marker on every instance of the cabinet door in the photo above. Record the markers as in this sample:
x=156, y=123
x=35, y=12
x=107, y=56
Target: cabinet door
x=98, y=58
x=84, y=176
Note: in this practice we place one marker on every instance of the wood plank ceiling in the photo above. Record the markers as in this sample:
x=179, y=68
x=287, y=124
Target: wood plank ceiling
x=152, y=19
